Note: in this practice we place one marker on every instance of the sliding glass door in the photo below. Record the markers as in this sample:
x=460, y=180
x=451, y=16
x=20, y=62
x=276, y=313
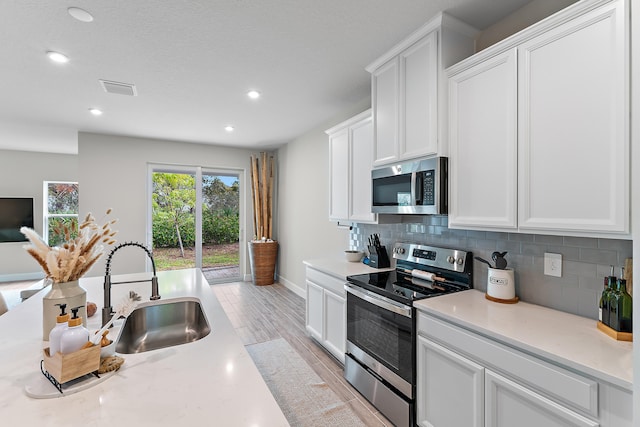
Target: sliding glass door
x=195, y=220
x=220, y=226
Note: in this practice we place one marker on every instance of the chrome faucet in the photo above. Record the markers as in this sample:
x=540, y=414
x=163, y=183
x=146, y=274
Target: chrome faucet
x=107, y=310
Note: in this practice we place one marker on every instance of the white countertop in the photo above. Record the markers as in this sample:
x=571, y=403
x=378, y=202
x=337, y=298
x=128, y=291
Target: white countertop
x=341, y=268
x=566, y=339
x=212, y=381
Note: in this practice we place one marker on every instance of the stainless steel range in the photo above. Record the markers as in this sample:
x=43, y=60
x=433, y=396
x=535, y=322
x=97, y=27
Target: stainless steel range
x=381, y=323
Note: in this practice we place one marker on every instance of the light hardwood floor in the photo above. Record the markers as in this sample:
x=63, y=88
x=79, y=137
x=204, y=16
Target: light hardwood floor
x=264, y=313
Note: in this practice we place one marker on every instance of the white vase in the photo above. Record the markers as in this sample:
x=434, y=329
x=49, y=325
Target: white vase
x=69, y=293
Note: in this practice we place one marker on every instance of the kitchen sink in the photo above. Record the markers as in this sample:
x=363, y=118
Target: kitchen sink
x=163, y=323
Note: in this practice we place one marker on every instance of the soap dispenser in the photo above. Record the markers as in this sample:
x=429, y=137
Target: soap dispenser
x=58, y=330
x=76, y=336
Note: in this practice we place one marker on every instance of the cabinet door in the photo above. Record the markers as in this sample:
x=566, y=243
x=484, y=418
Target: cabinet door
x=361, y=157
x=510, y=404
x=339, y=161
x=450, y=388
x=419, y=99
x=573, y=126
x=315, y=310
x=385, y=96
x=483, y=145
x=335, y=324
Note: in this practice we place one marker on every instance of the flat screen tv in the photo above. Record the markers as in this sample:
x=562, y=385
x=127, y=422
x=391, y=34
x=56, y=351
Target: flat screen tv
x=15, y=212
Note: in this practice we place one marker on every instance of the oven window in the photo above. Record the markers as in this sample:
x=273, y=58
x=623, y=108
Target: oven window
x=384, y=335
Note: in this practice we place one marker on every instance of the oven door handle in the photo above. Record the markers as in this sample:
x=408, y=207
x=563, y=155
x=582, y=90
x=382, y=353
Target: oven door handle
x=379, y=301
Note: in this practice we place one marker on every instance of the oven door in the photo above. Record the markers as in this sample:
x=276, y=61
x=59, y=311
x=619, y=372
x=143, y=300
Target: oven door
x=380, y=336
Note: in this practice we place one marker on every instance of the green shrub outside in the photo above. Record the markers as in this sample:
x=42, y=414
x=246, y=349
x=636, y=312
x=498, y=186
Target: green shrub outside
x=217, y=228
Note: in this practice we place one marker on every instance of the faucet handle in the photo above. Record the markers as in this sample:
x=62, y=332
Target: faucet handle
x=155, y=293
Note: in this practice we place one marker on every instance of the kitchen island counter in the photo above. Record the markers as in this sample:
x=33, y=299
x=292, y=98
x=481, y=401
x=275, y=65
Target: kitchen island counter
x=566, y=339
x=212, y=381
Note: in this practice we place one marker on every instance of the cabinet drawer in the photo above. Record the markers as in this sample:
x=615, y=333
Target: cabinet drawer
x=327, y=281
x=560, y=384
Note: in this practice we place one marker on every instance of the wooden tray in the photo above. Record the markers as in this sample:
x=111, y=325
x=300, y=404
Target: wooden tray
x=38, y=387
x=67, y=367
x=502, y=301
x=620, y=336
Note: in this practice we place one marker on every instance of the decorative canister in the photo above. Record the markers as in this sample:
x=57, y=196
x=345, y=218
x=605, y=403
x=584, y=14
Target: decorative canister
x=501, y=284
x=70, y=293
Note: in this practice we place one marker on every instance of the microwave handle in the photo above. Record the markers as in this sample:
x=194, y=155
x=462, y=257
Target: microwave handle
x=416, y=188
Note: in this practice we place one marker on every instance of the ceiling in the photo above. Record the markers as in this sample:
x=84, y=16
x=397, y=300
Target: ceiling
x=192, y=62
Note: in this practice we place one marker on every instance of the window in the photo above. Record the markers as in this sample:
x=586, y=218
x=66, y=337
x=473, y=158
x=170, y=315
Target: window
x=60, y=211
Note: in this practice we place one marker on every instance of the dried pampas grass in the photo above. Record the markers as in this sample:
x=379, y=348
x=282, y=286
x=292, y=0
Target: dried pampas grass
x=76, y=256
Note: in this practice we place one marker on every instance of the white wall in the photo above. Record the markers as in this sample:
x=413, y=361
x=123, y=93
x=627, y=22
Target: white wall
x=529, y=14
x=22, y=174
x=113, y=174
x=305, y=231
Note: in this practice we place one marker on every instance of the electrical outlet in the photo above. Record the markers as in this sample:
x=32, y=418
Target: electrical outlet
x=553, y=264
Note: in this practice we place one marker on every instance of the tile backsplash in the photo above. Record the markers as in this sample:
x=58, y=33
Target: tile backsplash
x=585, y=261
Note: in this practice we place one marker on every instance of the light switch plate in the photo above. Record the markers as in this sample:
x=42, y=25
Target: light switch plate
x=553, y=264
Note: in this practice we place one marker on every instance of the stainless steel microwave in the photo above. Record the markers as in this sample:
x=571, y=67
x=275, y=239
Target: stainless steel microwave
x=418, y=187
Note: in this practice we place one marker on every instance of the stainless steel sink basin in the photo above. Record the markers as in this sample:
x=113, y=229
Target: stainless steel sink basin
x=162, y=323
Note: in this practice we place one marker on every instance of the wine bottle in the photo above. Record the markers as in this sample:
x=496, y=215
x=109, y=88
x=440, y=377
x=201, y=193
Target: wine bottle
x=615, y=304
x=625, y=307
x=603, y=306
x=607, y=295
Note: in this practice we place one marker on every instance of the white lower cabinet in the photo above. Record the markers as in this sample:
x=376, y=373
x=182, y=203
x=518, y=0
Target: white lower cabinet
x=508, y=403
x=315, y=306
x=469, y=380
x=450, y=388
x=334, y=323
x=326, y=311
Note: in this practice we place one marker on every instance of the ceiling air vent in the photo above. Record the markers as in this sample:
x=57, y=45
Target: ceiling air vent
x=119, y=88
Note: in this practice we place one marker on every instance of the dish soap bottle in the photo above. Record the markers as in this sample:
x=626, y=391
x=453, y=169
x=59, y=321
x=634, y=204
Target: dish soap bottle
x=58, y=330
x=70, y=293
x=75, y=336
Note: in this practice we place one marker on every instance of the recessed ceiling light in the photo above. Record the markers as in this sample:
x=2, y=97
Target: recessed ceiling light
x=253, y=94
x=57, y=57
x=95, y=111
x=229, y=128
x=80, y=14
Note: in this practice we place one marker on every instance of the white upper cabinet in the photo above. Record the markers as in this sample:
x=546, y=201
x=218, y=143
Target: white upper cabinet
x=408, y=113
x=483, y=156
x=339, y=175
x=419, y=106
x=573, y=139
x=361, y=157
x=539, y=138
x=351, y=157
x=384, y=83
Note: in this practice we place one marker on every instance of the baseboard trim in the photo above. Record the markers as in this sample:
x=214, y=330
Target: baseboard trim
x=292, y=287
x=19, y=277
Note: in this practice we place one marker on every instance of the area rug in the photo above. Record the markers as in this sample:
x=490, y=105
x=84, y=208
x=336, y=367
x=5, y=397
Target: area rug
x=304, y=398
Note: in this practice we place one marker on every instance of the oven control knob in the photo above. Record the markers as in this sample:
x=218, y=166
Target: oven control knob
x=450, y=259
x=460, y=261
x=398, y=250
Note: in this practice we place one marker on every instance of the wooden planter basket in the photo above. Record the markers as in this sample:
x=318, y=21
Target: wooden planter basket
x=262, y=257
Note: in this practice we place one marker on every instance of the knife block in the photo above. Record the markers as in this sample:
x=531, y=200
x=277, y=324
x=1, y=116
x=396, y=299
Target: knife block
x=378, y=257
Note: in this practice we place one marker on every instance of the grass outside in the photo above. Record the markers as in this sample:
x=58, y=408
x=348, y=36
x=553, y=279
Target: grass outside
x=212, y=256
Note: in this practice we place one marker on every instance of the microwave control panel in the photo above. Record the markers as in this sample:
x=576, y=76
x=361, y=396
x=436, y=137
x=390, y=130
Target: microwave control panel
x=428, y=187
